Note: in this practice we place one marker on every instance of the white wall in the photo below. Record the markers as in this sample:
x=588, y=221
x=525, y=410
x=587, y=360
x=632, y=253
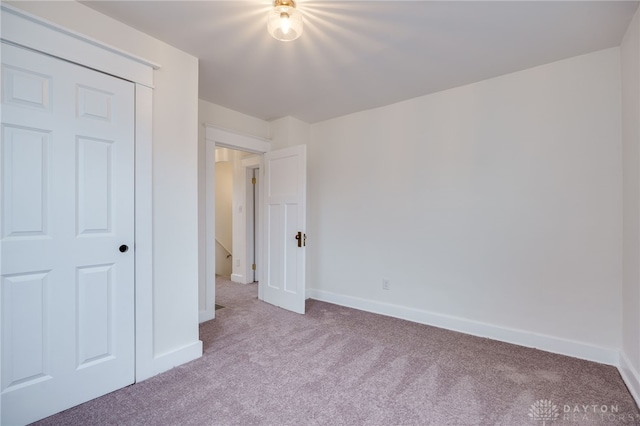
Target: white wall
x=630, y=59
x=224, y=212
x=494, y=208
x=219, y=116
x=223, y=263
x=175, y=113
x=288, y=131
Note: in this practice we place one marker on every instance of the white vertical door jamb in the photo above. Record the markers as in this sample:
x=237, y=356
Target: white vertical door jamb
x=144, y=232
x=209, y=312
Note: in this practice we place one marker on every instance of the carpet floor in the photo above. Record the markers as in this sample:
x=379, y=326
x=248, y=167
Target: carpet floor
x=263, y=365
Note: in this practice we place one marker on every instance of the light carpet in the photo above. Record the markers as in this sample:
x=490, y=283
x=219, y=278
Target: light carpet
x=263, y=365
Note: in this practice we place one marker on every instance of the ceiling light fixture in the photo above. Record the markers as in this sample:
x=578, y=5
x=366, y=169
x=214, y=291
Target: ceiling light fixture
x=284, y=21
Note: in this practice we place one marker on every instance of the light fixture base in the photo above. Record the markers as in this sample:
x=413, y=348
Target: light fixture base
x=284, y=3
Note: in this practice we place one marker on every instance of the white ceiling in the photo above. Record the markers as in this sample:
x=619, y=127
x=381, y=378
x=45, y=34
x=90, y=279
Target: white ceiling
x=356, y=55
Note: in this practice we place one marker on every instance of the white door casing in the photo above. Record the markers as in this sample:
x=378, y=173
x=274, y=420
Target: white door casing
x=219, y=137
x=246, y=236
x=67, y=290
x=284, y=219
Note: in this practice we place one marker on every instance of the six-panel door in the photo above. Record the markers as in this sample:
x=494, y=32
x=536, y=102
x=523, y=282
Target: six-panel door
x=67, y=291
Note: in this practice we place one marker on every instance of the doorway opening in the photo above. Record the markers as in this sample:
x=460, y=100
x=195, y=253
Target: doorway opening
x=282, y=221
x=249, y=157
x=236, y=215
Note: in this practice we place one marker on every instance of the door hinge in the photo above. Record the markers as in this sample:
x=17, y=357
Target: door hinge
x=253, y=180
x=253, y=266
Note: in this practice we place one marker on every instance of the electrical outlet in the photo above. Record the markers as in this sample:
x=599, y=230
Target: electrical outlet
x=386, y=285
x=237, y=263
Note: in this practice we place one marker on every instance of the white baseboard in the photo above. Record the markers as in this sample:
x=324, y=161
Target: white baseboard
x=630, y=376
x=237, y=278
x=169, y=360
x=205, y=315
x=547, y=343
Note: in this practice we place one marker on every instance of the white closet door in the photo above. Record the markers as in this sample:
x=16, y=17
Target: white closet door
x=67, y=258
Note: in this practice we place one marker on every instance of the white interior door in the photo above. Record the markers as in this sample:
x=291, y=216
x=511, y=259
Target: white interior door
x=284, y=239
x=67, y=288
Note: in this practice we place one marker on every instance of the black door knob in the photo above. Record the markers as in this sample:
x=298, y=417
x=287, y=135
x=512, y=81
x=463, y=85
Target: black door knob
x=124, y=248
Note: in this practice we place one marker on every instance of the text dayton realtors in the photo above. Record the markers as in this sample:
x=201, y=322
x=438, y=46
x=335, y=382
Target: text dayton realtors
x=585, y=412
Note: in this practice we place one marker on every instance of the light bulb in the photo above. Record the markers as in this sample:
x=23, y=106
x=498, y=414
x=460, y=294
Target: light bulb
x=285, y=23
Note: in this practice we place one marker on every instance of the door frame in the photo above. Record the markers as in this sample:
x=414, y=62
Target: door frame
x=220, y=137
x=29, y=31
x=242, y=237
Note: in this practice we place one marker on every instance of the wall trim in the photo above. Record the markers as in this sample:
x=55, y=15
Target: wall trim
x=543, y=342
x=233, y=140
x=203, y=316
x=209, y=290
x=33, y=32
x=630, y=376
x=244, y=222
x=144, y=232
x=221, y=137
x=169, y=360
x=237, y=278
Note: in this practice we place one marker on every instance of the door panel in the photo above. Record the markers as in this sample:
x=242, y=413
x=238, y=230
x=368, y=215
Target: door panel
x=25, y=178
x=94, y=186
x=67, y=292
x=94, y=311
x=274, y=248
x=284, y=204
x=23, y=309
x=292, y=282
x=26, y=88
